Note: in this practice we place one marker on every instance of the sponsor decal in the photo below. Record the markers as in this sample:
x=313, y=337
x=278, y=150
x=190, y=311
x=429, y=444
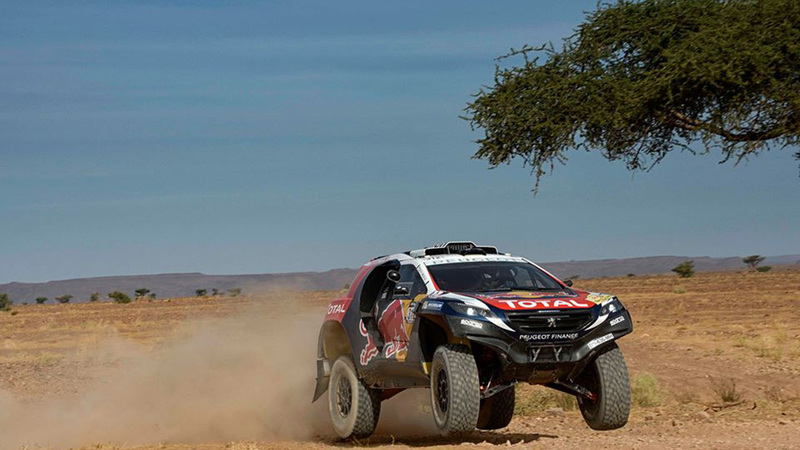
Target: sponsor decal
x=370, y=350
x=335, y=309
x=539, y=304
x=619, y=319
x=516, y=295
x=410, y=315
x=431, y=305
x=547, y=336
x=471, y=323
x=595, y=297
x=602, y=339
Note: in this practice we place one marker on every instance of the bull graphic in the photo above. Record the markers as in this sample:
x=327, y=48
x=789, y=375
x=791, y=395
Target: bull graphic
x=370, y=350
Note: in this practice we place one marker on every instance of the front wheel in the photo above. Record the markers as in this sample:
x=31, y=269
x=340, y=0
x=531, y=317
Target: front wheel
x=607, y=377
x=455, y=390
x=354, y=407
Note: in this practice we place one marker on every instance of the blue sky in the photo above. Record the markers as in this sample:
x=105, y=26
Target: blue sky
x=232, y=137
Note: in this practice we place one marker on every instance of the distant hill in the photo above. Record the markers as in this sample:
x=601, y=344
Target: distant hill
x=178, y=284
x=184, y=284
x=654, y=265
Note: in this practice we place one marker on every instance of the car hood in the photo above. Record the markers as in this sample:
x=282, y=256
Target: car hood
x=532, y=300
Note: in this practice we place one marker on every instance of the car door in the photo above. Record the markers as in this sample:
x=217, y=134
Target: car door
x=398, y=318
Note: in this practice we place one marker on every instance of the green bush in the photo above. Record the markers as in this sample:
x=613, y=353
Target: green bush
x=645, y=390
x=530, y=403
x=5, y=302
x=119, y=297
x=94, y=297
x=764, y=268
x=41, y=300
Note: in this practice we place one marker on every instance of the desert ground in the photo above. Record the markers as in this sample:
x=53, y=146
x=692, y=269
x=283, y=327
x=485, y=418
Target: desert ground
x=714, y=361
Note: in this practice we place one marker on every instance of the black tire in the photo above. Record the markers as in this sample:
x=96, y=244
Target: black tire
x=455, y=390
x=496, y=411
x=354, y=407
x=607, y=377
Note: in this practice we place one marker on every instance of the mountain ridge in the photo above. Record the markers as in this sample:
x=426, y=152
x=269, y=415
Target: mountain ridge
x=184, y=284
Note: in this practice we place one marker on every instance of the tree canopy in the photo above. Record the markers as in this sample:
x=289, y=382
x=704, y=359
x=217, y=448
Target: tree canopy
x=639, y=79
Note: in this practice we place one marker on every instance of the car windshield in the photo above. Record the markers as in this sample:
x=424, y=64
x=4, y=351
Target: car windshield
x=491, y=276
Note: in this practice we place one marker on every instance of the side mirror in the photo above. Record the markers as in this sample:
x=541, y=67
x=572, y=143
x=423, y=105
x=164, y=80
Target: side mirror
x=393, y=275
x=401, y=290
x=568, y=282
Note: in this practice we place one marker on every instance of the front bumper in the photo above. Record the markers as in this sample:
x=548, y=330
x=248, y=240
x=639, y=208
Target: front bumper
x=542, y=359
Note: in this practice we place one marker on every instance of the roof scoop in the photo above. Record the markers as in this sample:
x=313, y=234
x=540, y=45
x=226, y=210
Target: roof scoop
x=455, y=248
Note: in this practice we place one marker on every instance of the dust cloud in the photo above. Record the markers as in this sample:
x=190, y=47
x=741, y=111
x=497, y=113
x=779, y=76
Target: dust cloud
x=248, y=377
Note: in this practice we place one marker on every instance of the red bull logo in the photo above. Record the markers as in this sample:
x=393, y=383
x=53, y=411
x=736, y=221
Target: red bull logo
x=370, y=350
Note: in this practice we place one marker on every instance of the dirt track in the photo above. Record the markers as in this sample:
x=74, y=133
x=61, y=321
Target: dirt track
x=691, y=334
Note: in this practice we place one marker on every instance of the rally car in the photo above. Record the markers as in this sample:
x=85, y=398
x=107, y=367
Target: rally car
x=469, y=323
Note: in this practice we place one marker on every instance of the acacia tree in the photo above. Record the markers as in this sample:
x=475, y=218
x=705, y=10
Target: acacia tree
x=639, y=79
x=685, y=269
x=753, y=261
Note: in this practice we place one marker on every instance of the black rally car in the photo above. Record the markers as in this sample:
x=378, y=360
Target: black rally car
x=469, y=323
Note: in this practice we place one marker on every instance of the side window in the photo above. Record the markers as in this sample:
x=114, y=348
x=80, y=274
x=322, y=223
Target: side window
x=409, y=278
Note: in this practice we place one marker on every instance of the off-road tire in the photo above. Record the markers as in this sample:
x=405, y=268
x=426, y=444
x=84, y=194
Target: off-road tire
x=496, y=411
x=455, y=390
x=607, y=377
x=358, y=418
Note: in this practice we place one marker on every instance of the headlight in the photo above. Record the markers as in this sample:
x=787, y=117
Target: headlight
x=472, y=311
x=611, y=306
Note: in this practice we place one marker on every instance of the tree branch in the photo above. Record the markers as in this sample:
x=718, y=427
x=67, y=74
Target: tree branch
x=690, y=124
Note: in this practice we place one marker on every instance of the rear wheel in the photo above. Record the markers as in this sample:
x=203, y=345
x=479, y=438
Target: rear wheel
x=354, y=407
x=607, y=378
x=496, y=411
x=455, y=390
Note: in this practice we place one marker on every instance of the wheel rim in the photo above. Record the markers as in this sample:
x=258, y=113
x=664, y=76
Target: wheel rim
x=441, y=390
x=344, y=397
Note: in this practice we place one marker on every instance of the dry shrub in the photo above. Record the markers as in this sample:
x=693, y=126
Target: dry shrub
x=764, y=348
x=645, y=390
x=774, y=394
x=687, y=398
x=538, y=400
x=725, y=388
x=781, y=334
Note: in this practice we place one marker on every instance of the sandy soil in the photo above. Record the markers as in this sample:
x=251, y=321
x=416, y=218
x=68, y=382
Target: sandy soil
x=694, y=335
